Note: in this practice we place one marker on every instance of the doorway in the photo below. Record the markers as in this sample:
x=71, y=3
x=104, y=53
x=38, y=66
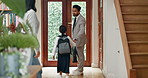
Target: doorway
x=56, y=13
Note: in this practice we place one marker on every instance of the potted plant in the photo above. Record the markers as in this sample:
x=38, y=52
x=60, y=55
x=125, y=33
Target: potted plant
x=12, y=49
x=13, y=45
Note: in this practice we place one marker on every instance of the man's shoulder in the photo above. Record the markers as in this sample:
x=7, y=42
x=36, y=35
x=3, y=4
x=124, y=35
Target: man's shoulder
x=81, y=17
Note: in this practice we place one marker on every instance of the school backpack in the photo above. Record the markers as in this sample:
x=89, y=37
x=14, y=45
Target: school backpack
x=63, y=45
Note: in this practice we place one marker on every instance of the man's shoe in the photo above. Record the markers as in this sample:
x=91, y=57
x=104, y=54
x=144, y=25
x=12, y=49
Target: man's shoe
x=76, y=73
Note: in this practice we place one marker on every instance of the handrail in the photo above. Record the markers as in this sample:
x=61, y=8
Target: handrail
x=123, y=37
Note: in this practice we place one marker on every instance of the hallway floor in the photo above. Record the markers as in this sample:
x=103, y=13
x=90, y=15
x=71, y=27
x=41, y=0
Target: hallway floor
x=89, y=72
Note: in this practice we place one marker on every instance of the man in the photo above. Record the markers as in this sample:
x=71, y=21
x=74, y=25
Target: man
x=79, y=37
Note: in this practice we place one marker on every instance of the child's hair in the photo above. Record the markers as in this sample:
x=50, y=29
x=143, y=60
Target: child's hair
x=62, y=29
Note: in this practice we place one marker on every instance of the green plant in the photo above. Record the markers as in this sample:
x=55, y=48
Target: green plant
x=19, y=40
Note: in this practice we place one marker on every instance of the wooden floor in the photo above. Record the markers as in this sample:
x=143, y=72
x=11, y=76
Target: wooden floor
x=50, y=72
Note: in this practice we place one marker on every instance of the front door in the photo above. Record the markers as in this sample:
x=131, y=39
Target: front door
x=56, y=13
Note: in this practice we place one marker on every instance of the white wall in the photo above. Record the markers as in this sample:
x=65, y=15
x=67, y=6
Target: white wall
x=114, y=61
x=95, y=34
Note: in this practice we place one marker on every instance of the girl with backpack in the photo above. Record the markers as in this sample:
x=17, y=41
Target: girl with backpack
x=62, y=47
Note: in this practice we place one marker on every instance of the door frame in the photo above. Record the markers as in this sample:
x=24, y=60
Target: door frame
x=44, y=31
x=100, y=33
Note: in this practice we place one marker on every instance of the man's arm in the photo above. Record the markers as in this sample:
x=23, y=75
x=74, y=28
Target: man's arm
x=82, y=29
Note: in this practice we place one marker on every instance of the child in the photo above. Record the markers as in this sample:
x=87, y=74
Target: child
x=63, y=59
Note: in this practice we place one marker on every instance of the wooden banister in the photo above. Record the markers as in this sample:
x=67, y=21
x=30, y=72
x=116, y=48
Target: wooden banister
x=123, y=37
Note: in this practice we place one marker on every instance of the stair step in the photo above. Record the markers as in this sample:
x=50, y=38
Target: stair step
x=139, y=60
x=138, y=42
x=138, y=47
x=139, y=32
x=134, y=10
x=136, y=18
x=136, y=27
x=134, y=4
x=140, y=66
x=140, y=53
x=137, y=22
x=136, y=36
x=141, y=73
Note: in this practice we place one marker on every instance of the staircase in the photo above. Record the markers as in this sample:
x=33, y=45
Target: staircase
x=135, y=20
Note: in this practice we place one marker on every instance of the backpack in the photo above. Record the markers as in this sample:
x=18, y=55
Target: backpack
x=64, y=45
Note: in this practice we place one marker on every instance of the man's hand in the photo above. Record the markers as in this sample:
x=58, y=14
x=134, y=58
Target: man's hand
x=53, y=57
x=74, y=40
x=37, y=54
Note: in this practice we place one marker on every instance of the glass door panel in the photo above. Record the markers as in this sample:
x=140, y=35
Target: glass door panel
x=54, y=22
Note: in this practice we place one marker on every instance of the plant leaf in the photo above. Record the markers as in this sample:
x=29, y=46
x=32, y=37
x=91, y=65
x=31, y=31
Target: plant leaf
x=17, y=6
x=1, y=48
x=1, y=21
x=19, y=40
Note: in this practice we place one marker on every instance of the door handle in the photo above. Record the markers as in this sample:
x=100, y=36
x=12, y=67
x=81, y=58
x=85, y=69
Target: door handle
x=69, y=23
